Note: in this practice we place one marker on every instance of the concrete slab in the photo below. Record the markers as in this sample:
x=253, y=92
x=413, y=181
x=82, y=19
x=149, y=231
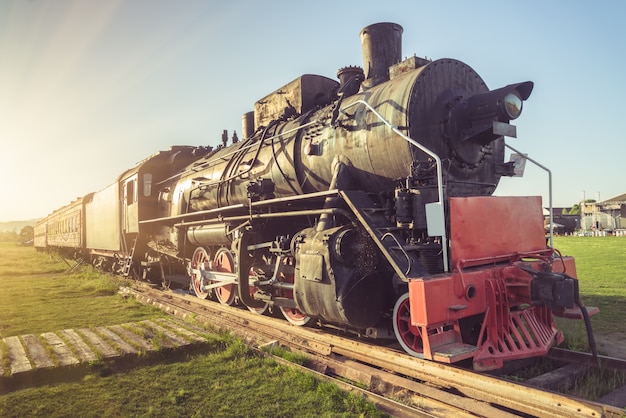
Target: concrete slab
x=101, y=346
x=558, y=379
x=616, y=398
x=133, y=338
x=17, y=356
x=40, y=357
x=79, y=347
x=151, y=336
x=64, y=355
x=176, y=339
x=180, y=329
x=117, y=341
x=52, y=350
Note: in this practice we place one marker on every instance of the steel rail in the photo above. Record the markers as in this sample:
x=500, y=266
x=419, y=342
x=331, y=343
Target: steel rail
x=226, y=321
x=587, y=359
x=482, y=388
x=430, y=400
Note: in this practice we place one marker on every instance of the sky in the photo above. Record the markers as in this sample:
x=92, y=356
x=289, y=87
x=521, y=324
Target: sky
x=88, y=88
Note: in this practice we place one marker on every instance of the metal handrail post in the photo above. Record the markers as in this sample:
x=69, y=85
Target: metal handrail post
x=549, y=188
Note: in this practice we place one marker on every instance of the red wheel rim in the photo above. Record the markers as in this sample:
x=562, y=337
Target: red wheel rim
x=293, y=315
x=199, y=261
x=408, y=335
x=253, y=290
x=223, y=262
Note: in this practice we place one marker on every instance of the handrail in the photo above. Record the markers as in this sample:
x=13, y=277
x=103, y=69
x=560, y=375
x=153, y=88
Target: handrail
x=549, y=188
x=215, y=160
x=444, y=238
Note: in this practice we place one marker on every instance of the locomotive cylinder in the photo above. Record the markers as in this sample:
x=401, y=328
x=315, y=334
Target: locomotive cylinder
x=208, y=235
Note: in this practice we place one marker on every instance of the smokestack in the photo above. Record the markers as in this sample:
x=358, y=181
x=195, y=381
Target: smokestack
x=247, y=125
x=381, y=44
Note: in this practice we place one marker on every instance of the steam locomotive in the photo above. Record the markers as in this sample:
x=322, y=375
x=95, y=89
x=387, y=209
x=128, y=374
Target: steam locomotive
x=363, y=204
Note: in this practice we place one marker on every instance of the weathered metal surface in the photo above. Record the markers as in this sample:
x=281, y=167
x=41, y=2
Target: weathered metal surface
x=487, y=227
x=394, y=147
x=65, y=226
x=381, y=45
x=103, y=227
x=299, y=96
x=611, y=363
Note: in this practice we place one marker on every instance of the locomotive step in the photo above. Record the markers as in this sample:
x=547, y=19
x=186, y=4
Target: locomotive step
x=453, y=352
x=576, y=313
x=27, y=354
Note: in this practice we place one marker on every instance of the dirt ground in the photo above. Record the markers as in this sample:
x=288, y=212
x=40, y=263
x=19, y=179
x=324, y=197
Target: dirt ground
x=612, y=345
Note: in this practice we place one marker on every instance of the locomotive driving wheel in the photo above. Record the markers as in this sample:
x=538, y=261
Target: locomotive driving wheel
x=293, y=315
x=223, y=262
x=199, y=262
x=408, y=335
x=261, y=310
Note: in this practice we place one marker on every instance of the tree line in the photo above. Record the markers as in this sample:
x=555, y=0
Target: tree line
x=25, y=237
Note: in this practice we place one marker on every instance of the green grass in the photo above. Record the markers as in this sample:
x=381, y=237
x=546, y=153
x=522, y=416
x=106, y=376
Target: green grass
x=225, y=383
x=601, y=268
x=229, y=380
x=19, y=261
x=38, y=297
x=602, y=278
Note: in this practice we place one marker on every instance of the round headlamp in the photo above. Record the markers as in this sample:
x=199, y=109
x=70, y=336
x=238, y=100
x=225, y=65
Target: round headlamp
x=513, y=105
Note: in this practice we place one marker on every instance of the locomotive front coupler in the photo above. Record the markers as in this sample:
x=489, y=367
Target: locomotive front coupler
x=558, y=292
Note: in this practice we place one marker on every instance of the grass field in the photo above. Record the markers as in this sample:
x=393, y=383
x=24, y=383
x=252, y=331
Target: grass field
x=227, y=382
x=228, y=379
x=601, y=268
x=38, y=297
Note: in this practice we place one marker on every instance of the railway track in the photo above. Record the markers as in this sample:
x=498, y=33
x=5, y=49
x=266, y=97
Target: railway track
x=432, y=389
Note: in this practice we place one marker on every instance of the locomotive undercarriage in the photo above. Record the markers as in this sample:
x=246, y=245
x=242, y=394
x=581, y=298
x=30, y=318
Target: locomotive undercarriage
x=334, y=271
x=368, y=271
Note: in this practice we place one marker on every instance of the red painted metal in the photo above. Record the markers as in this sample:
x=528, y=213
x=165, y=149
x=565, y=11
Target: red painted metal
x=490, y=237
x=483, y=228
x=510, y=335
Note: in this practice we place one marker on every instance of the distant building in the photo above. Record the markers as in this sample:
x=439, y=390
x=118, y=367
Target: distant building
x=608, y=215
x=564, y=223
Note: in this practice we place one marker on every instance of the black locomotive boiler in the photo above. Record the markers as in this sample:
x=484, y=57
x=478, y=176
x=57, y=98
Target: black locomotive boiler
x=360, y=204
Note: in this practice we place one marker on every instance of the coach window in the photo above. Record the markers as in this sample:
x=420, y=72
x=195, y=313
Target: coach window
x=147, y=184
